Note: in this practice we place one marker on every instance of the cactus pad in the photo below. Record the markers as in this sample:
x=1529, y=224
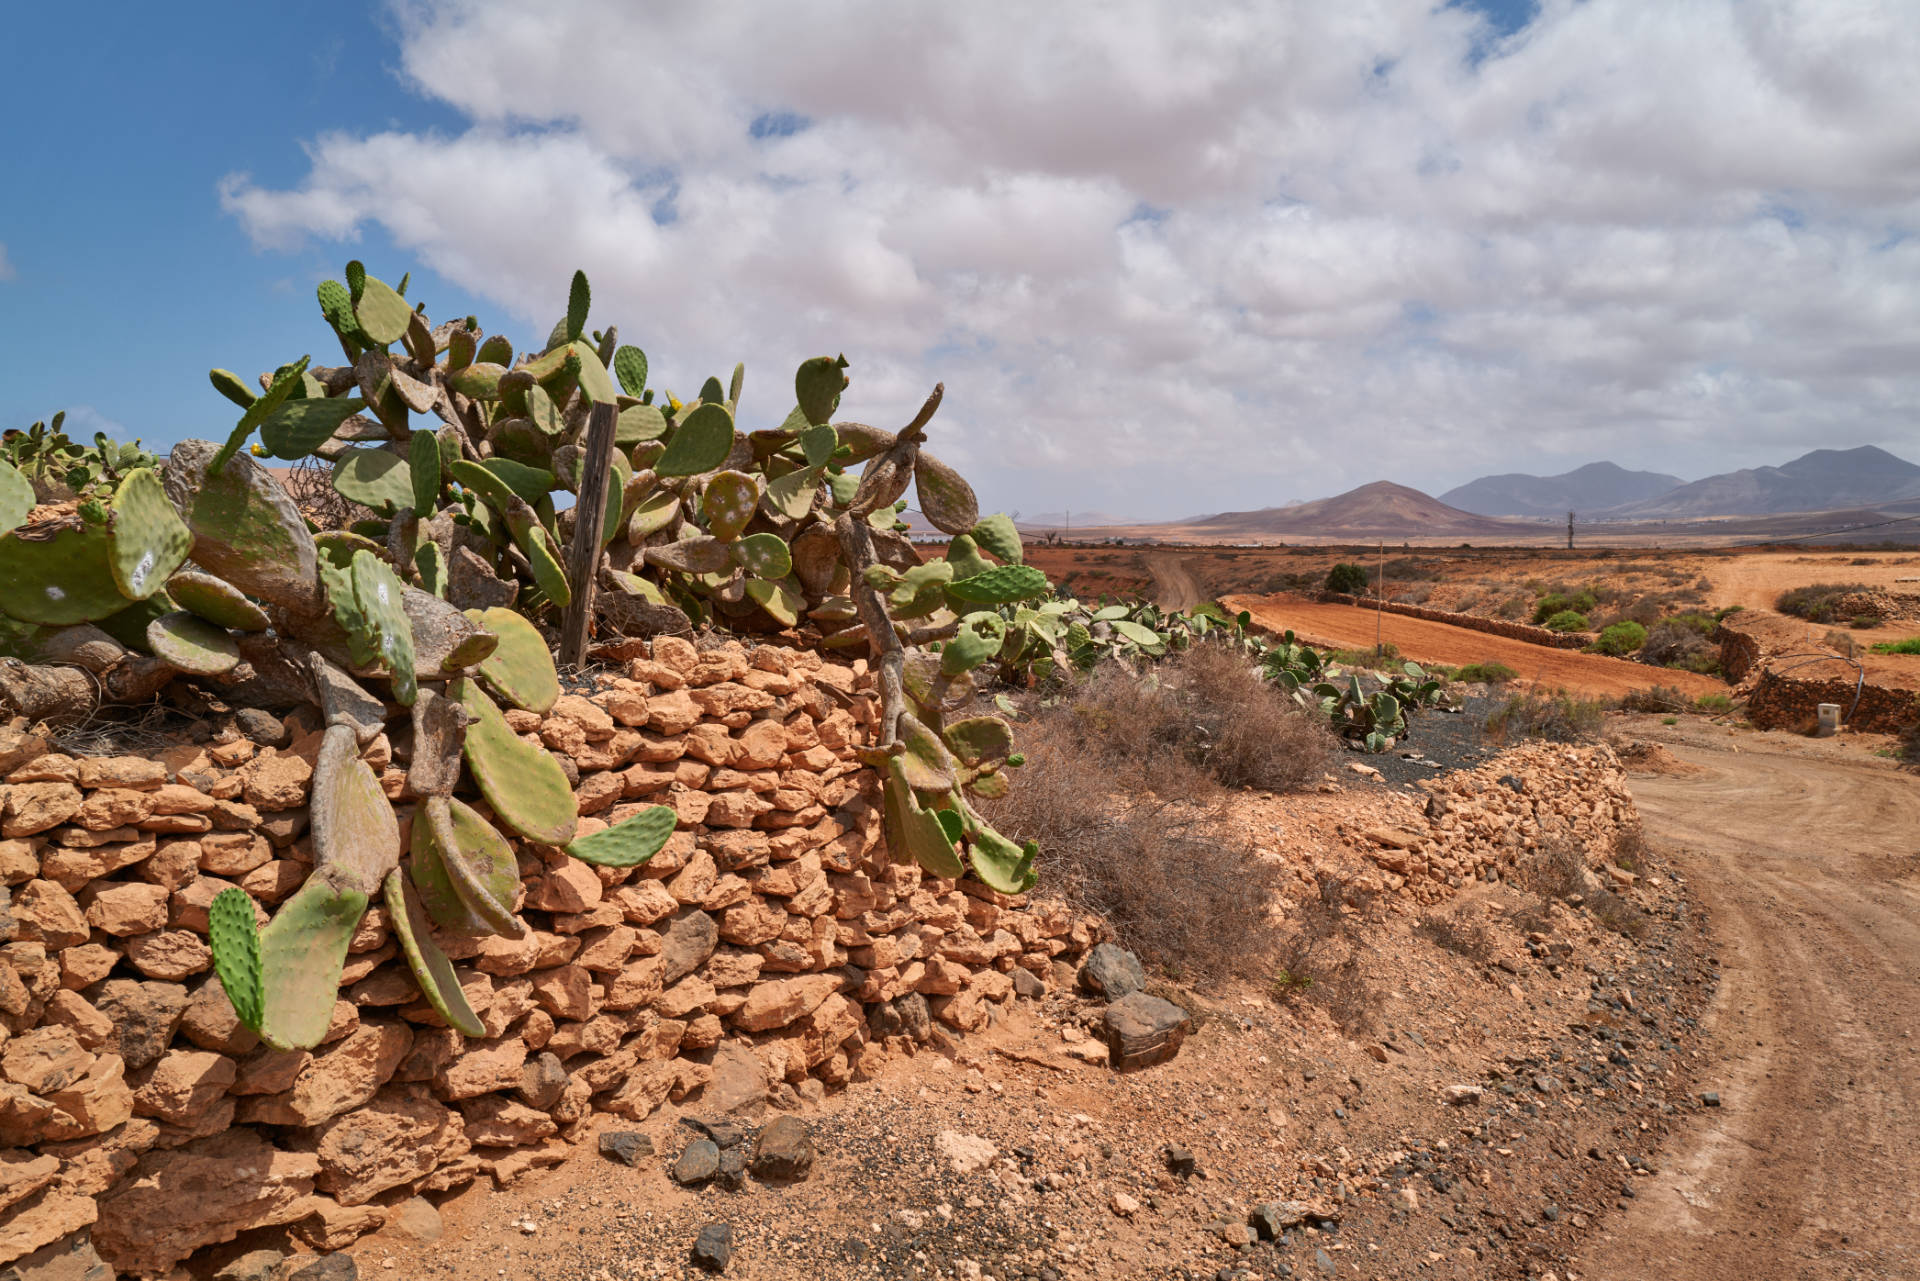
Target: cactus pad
x=520, y=669
x=699, y=444
x=149, y=539
x=302, y=951
x=423, y=470
x=946, y=500
x=926, y=837
x=630, y=367
x=595, y=385
x=628, y=843
x=299, y=427
x=430, y=569
x=286, y=381
x=216, y=600
x=980, y=741
x=655, y=512
x=1000, y=864
x=235, y=936
x=532, y=539
x=926, y=765
x=638, y=423
x=356, y=840
x=192, y=644
x=817, y=385
x=764, y=556
x=792, y=496
x=998, y=534
x=375, y=478
x=980, y=637
x=246, y=528
x=728, y=505
x=525, y=786
x=383, y=314
x=530, y=484
x=16, y=497
x=480, y=380
x=232, y=386
x=476, y=860
x=57, y=571
x=439, y=728
x=1000, y=586
x=432, y=971
x=781, y=599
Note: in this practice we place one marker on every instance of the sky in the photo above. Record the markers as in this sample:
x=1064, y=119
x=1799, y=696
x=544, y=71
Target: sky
x=1167, y=259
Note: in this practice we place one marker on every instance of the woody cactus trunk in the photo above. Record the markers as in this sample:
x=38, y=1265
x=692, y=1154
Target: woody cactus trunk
x=208, y=570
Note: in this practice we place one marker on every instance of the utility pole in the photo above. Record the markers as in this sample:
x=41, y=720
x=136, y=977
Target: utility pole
x=1380, y=604
x=1569, y=531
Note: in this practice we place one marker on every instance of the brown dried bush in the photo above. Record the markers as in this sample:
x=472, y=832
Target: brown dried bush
x=1457, y=935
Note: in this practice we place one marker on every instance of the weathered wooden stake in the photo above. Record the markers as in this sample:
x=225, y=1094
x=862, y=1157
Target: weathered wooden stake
x=583, y=554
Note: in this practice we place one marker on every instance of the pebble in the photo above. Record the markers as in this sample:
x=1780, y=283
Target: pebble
x=627, y=1146
x=698, y=1163
x=713, y=1249
x=1125, y=1206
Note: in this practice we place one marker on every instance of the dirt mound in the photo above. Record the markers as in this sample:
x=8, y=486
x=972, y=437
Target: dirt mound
x=1653, y=760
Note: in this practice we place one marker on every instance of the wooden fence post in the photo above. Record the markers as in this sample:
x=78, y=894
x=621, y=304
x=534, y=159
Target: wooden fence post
x=583, y=553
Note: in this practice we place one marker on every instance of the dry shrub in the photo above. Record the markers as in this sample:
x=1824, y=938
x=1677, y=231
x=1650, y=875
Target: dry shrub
x=1457, y=935
x=1241, y=728
x=1557, y=718
x=1318, y=960
x=1664, y=699
x=1557, y=871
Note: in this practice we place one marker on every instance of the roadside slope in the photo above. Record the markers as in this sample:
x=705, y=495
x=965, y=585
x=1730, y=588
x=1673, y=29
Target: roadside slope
x=1425, y=641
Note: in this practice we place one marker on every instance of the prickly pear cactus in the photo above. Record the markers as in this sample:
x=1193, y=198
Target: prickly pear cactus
x=235, y=937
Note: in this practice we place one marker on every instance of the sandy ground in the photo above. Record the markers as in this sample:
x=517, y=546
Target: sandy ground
x=1349, y=627
x=1806, y=854
x=1756, y=579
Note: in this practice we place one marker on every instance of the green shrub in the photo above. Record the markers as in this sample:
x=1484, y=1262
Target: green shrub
x=1567, y=621
x=1347, y=578
x=1713, y=704
x=1815, y=602
x=1552, y=603
x=1911, y=645
x=1620, y=639
x=1487, y=673
x=1369, y=657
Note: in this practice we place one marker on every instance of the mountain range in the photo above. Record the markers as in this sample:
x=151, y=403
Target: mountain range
x=1824, y=480
x=1380, y=510
x=1585, y=489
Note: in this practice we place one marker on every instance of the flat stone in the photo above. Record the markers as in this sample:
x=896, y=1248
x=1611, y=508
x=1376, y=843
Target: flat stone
x=630, y=1147
x=699, y=1162
x=327, y=1267
x=784, y=1150
x=1180, y=1159
x=416, y=1219
x=254, y=1265
x=1271, y=1218
x=686, y=945
x=713, y=1249
x=1142, y=1030
x=1113, y=972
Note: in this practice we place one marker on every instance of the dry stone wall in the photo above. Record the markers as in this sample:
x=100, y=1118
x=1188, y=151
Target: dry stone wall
x=770, y=950
x=1472, y=622
x=1791, y=699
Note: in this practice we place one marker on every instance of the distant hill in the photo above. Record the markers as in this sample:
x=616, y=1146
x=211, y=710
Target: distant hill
x=1584, y=489
x=1380, y=510
x=1823, y=480
x=1075, y=520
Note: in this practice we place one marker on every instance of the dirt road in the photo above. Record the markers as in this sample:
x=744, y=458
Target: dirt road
x=1349, y=627
x=1808, y=858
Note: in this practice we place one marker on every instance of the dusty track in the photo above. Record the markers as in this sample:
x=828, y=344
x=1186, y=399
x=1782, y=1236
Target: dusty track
x=1349, y=627
x=1806, y=855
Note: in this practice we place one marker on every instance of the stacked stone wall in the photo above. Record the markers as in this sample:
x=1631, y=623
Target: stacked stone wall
x=1471, y=622
x=770, y=951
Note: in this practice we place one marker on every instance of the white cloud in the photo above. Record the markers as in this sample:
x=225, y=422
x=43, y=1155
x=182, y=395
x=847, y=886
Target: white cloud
x=1171, y=263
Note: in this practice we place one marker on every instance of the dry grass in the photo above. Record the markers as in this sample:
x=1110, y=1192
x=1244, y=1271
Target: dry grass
x=1318, y=960
x=1457, y=935
x=1557, y=718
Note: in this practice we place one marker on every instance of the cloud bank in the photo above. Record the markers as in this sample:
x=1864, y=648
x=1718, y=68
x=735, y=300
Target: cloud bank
x=1170, y=263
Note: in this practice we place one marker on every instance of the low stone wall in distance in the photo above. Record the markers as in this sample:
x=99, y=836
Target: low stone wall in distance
x=1790, y=699
x=1471, y=622
x=772, y=949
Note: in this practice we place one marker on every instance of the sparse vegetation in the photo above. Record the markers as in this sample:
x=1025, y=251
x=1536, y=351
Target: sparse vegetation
x=1818, y=602
x=1348, y=578
x=1369, y=657
x=1486, y=673
x=1558, y=718
x=1567, y=621
x=1714, y=704
x=1554, y=603
x=1911, y=645
x=1457, y=935
x=1620, y=639
x=1661, y=698
x=1319, y=961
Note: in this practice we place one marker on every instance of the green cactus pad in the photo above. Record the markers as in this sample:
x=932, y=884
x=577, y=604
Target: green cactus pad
x=728, y=504
x=921, y=590
x=595, y=385
x=817, y=385
x=192, y=644
x=336, y=304
x=763, y=556
x=58, y=571
x=980, y=637
x=998, y=534
x=285, y=382
x=964, y=555
x=579, y=298
x=430, y=569
x=479, y=480
x=235, y=935
x=378, y=596
x=701, y=554
x=980, y=741
x=630, y=367
x=792, y=496
x=927, y=765
x=423, y=470
x=1144, y=637
x=990, y=787
x=781, y=599
x=1001, y=586
x=946, y=500
x=432, y=971
x=531, y=484
x=299, y=427
x=525, y=785
x=487, y=870
x=544, y=414
x=496, y=350
x=150, y=540
x=936, y=692
x=926, y=838
x=655, y=512
x=700, y=443
x=375, y=478
x=232, y=386
x=628, y=843
x=542, y=557
x=480, y=380
x=129, y=626
x=1000, y=864
x=338, y=546
x=383, y=314
x=520, y=669
x=302, y=951
x=16, y=497
x=638, y=423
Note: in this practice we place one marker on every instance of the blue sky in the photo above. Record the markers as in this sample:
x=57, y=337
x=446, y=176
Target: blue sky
x=1395, y=239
